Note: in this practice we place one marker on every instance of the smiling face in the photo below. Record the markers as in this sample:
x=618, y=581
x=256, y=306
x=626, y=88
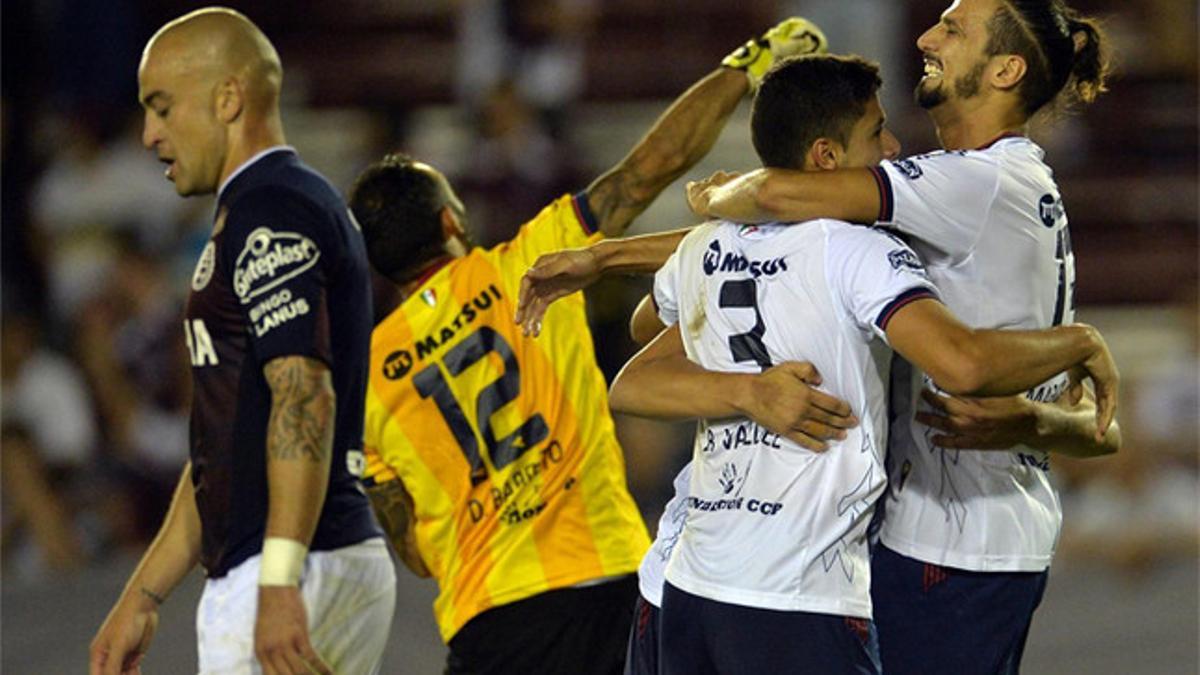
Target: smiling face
x=955, y=53
x=181, y=125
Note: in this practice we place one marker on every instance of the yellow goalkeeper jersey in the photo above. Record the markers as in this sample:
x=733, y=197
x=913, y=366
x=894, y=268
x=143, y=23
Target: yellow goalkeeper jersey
x=504, y=442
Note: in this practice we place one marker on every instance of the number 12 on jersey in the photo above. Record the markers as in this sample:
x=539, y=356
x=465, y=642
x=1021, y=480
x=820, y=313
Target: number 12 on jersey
x=430, y=383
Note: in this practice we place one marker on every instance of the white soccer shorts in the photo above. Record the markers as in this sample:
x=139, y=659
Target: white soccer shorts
x=349, y=594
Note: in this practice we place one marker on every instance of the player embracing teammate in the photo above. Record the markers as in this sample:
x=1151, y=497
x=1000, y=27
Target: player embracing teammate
x=966, y=537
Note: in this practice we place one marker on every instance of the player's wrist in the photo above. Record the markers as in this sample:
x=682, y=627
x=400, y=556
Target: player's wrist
x=605, y=254
x=742, y=393
x=282, y=562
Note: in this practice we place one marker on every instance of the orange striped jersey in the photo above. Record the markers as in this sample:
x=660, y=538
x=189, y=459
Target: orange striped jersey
x=504, y=442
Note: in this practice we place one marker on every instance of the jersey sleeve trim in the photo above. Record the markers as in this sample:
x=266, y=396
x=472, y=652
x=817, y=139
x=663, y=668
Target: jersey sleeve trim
x=584, y=213
x=887, y=200
x=900, y=301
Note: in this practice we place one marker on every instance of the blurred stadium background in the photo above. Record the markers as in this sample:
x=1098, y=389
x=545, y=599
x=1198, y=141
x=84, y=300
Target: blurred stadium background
x=519, y=101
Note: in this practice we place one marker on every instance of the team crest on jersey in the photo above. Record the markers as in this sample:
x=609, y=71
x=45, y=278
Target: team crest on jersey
x=429, y=296
x=205, y=267
x=270, y=258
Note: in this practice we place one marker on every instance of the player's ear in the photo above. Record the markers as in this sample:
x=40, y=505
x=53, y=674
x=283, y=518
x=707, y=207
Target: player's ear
x=230, y=100
x=1009, y=72
x=451, y=224
x=825, y=154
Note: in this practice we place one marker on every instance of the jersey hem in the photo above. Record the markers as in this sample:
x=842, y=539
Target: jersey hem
x=621, y=569
x=966, y=561
x=786, y=602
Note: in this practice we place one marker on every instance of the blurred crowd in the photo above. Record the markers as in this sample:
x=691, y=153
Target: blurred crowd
x=97, y=249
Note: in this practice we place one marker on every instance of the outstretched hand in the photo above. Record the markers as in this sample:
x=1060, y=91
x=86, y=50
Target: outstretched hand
x=783, y=400
x=553, y=276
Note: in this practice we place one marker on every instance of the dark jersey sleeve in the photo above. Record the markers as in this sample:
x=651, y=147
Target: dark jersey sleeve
x=279, y=256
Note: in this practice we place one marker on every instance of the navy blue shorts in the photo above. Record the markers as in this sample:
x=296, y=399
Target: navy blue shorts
x=641, y=657
x=939, y=620
x=706, y=637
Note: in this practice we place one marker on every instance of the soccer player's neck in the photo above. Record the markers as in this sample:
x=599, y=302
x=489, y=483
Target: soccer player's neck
x=968, y=125
x=418, y=275
x=255, y=134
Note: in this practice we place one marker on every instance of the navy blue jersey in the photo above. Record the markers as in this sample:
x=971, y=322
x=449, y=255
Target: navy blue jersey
x=284, y=274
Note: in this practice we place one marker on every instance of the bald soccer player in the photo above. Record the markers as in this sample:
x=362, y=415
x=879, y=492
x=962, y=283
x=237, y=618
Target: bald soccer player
x=277, y=324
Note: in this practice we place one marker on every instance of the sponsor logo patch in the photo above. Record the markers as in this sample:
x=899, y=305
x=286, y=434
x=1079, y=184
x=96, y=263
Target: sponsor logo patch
x=205, y=267
x=903, y=258
x=714, y=261
x=909, y=168
x=397, y=364
x=1050, y=209
x=270, y=258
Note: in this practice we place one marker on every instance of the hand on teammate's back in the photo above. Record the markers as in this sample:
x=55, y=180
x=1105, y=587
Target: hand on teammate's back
x=783, y=400
x=281, y=640
x=553, y=276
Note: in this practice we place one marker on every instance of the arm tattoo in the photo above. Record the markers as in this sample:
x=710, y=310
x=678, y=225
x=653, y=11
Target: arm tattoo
x=302, y=409
x=394, y=508
x=613, y=198
x=154, y=597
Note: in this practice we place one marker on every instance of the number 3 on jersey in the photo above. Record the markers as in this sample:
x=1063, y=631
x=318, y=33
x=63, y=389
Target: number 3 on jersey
x=746, y=346
x=503, y=451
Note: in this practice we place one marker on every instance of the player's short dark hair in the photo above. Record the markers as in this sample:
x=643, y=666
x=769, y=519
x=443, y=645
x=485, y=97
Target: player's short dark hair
x=1044, y=33
x=808, y=97
x=398, y=204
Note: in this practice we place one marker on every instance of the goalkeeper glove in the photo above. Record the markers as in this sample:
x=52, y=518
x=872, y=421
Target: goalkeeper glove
x=789, y=38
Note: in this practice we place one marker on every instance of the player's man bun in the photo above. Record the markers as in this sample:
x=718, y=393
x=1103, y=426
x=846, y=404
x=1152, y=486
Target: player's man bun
x=1066, y=54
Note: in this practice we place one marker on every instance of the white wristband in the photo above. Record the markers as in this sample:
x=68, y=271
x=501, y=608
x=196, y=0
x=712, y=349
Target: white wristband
x=282, y=562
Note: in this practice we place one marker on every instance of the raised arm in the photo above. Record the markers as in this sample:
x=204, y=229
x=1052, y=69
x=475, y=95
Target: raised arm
x=765, y=195
x=660, y=382
x=679, y=138
x=688, y=129
x=123, y=639
x=962, y=360
x=299, y=456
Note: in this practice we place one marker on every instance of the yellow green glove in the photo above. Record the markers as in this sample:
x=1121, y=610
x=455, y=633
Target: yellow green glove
x=789, y=38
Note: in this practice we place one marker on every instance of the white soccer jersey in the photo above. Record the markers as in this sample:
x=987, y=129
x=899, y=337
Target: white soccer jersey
x=769, y=523
x=670, y=525
x=989, y=225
